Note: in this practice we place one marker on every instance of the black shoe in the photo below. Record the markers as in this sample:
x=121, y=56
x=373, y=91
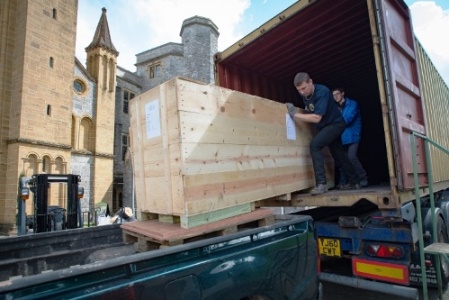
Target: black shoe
x=350, y=186
x=364, y=183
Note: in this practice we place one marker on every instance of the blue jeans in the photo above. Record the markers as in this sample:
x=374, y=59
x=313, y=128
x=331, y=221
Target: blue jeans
x=330, y=136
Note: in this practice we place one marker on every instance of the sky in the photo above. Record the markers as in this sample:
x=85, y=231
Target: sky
x=140, y=25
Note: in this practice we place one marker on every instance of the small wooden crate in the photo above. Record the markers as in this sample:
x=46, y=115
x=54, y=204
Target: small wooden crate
x=205, y=153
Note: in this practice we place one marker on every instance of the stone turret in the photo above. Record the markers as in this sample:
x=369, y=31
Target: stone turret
x=102, y=64
x=200, y=38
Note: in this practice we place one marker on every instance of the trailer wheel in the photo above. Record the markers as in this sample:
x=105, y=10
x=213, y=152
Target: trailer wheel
x=443, y=238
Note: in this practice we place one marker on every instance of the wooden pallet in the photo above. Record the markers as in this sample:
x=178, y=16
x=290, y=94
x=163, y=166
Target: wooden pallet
x=152, y=234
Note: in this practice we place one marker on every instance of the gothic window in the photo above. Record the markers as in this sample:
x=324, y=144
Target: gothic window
x=105, y=71
x=125, y=140
x=154, y=70
x=86, y=128
x=74, y=133
x=111, y=75
x=126, y=97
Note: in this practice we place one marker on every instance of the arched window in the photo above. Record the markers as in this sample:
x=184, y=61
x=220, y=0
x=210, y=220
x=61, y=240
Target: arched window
x=59, y=166
x=46, y=164
x=59, y=190
x=30, y=167
x=74, y=133
x=111, y=75
x=105, y=71
x=86, y=136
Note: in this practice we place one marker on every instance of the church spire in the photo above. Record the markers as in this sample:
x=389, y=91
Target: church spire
x=102, y=37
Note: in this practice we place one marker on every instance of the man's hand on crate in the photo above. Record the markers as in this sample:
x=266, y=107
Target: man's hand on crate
x=292, y=110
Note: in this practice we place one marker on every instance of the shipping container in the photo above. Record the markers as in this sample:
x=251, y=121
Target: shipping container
x=369, y=49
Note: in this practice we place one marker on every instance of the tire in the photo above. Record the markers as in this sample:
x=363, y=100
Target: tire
x=443, y=238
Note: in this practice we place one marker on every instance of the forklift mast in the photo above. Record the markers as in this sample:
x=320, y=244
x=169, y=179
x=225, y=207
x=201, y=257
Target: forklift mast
x=39, y=185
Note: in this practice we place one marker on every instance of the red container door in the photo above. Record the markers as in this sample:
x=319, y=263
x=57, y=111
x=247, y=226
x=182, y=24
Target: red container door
x=402, y=88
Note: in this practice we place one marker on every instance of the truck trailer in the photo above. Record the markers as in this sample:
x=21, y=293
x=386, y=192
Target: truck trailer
x=369, y=48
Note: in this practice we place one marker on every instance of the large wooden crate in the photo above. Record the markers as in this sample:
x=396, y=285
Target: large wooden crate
x=206, y=151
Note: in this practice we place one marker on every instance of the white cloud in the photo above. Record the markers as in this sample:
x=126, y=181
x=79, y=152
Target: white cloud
x=140, y=25
x=431, y=26
x=167, y=17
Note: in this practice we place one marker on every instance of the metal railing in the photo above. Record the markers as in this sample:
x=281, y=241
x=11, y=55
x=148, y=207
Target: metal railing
x=427, y=141
x=56, y=219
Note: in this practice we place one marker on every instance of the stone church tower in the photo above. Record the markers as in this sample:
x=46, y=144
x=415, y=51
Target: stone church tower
x=37, y=55
x=56, y=116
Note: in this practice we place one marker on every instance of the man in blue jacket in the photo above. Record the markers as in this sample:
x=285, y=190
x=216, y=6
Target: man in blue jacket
x=320, y=109
x=351, y=136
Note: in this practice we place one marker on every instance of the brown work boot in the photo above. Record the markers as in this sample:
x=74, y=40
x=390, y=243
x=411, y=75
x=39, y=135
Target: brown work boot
x=319, y=189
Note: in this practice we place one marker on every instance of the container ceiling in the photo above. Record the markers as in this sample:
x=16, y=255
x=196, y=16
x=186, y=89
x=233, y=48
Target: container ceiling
x=331, y=40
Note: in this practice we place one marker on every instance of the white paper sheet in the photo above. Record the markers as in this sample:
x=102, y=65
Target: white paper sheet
x=291, y=128
x=152, y=119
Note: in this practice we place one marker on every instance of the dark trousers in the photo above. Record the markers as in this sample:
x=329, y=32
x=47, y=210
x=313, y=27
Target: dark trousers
x=351, y=150
x=330, y=136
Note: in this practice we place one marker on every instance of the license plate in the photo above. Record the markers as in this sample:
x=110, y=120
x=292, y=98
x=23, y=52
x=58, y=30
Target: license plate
x=329, y=247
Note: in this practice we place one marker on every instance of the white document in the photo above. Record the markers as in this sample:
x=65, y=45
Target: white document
x=152, y=119
x=291, y=128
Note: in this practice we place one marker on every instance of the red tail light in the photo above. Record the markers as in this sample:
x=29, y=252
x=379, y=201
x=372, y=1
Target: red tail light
x=319, y=264
x=385, y=251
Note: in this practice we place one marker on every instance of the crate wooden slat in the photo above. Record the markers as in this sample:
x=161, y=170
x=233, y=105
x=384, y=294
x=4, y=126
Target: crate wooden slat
x=198, y=148
x=204, y=218
x=152, y=234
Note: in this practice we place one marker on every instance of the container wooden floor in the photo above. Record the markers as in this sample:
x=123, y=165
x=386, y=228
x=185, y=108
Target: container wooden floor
x=381, y=195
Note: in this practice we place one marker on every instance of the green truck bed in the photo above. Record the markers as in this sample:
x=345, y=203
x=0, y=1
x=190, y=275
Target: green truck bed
x=278, y=261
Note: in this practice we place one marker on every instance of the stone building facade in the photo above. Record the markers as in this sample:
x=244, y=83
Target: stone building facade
x=55, y=114
x=59, y=117
x=128, y=86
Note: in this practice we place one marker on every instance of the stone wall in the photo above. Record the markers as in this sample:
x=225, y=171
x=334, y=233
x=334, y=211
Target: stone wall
x=82, y=165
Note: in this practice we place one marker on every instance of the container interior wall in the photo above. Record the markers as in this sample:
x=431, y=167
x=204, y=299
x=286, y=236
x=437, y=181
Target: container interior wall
x=335, y=49
x=437, y=112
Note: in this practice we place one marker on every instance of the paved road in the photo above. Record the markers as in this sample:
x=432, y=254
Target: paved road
x=332, y=291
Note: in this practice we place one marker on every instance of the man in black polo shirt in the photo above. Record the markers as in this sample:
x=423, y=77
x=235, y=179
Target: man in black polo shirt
x=320, y=109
